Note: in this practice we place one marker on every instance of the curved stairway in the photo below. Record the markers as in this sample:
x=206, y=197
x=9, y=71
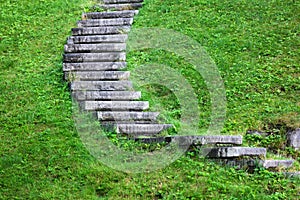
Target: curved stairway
x=94, y=63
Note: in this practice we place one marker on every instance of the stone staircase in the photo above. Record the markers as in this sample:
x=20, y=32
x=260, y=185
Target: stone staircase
x=94, y=63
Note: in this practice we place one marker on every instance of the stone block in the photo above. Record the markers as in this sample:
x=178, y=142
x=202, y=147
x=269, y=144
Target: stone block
x=142, y=129
x=102, y=85
x=106, y=95
x=95, y=48
x=100, y=30
x=231, y=152
x=93, y=66
x=105, y=22
x=95, y=57
x=293, y=139
x=120, y=38
x=115, y=105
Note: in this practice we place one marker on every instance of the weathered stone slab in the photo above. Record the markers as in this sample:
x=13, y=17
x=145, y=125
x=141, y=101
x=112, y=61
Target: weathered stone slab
x=127, y=116
x=93, y=66
x=125, y=6
x=95, y=57
x=121, y=1
x=293, y=139
x=100, y=30
x=116, y=105
x=197, y=139
x=121, y=38
x=95, y=48
x=231, y=152
x=142, y=129
x=105, y=22
x=106, y=95
x=102, y=85
x=97, y=75
x=110, y=14
x=276, y=163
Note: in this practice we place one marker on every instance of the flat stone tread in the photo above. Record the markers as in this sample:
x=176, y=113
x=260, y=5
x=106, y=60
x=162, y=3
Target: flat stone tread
x=120, y=38
x=196, y=139
x=95, y=57
x=123, y=6
x=97, y=75
x=94, y=66
x=142, y=129
x=100, y=30
x=106, y=95
x=93, y=48
x=127, y=116
x=109, y=14
x=121, y=1
x=276, y=163
x=116, y=105
x=226, y=152
x=102, y=85
x=105, y=22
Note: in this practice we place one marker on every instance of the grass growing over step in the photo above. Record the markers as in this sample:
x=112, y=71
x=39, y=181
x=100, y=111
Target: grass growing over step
x=41, y=154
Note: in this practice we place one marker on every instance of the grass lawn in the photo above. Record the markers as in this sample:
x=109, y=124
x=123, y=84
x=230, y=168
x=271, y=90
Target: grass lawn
x=255, y=45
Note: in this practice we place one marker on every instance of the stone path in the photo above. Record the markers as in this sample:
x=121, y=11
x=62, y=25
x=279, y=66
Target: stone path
x=94, y=63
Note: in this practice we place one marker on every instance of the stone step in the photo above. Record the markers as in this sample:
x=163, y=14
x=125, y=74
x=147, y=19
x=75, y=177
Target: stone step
x=231, y=152
x=95, y=57
x=276, y=163
x=102, y=85
x=115, y=123
x=93, y=66
x=100, y=30
x=121, y=38
x=142, y=129
x=196, y=139
x=115, y=105
x=106, y=95
x=121, y=6
x=110, y=14
x=96, y=75
x=127, y=116
x=121, y=1
x=95, y=48
x=105, y=22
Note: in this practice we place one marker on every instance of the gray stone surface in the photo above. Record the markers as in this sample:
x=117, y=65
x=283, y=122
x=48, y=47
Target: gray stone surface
x=106, y=95
x=196, y=139
x=121, y=1
x=123, y=6
x=116, y=105
x=293, y=139
x=120, y=38
x=105, y=22
x=101, y=85
x=93, y=66
x=95, y=48
x=97, y=75
x=127, y=116
x=95, y=57
x=142, y=129
x=109, y=14
x=276, y=163
x=100, y=30
x=231, y=152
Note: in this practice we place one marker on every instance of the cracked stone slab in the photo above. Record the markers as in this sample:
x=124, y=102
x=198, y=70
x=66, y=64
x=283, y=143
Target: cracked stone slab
x=110, y=14
x=94, y=66
x=142, y=129
x=276, y=163
x=95, y=48
x=196, y=139
x=127, y=116
x=105, y=22
x=102, y=85
x=231, y=152
x=121, y=1
x=96, y=75
x=293, y=139
x=115, y=105
x=106, y=95
x=121, y=38
x=95, y=57
x=100, y=30
x=123, y=6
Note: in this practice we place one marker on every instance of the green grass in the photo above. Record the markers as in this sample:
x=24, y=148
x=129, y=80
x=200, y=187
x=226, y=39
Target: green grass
x=255, y=45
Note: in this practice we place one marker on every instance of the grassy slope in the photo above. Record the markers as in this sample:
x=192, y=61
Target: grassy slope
x=42, y=157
